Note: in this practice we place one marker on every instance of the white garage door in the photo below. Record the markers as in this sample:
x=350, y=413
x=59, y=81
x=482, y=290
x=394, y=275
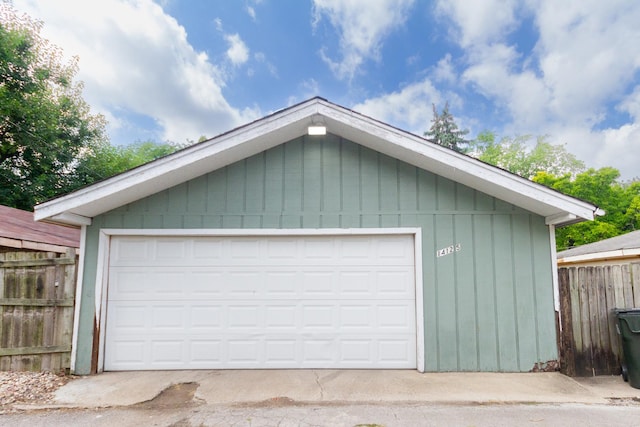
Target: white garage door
x=260, y=302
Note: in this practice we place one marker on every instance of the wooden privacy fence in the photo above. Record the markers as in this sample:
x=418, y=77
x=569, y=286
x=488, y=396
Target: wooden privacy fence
x=36, y=310
x=589, y=341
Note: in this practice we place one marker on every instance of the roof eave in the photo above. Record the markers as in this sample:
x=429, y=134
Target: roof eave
x=79, y=207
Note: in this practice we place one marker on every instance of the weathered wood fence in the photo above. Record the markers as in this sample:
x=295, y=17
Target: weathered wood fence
x=589, y=341
x=37, y=292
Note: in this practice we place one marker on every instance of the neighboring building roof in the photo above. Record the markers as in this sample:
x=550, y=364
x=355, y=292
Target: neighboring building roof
x=624, y=246
x=79, y=207
x=19, y=230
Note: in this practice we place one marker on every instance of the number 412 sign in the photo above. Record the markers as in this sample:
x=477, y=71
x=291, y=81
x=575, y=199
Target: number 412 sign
x=448, y=250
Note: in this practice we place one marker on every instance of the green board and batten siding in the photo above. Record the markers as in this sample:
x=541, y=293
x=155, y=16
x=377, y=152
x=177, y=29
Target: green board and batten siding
x=487, y=307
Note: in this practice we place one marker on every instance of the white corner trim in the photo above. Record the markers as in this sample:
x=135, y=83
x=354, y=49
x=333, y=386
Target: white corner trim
x=78, y=298
x=554, y=269
x=102, y=271
x=102, y=268
x=419, y=283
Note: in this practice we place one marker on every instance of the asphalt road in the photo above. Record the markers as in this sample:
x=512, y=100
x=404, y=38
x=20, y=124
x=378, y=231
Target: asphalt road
x=288, y=414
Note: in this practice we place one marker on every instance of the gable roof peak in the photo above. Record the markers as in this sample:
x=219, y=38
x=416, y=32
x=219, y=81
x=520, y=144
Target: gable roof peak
x=79, y=207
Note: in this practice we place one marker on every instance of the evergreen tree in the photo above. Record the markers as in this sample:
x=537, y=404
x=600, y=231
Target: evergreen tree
x=444, y=130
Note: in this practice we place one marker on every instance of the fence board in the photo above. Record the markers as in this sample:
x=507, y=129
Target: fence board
x=604, y=345
x=635, y=283
x=36, y=310
x=586, y=361
x=611, y=320
x=575, y=310
x=589, y=341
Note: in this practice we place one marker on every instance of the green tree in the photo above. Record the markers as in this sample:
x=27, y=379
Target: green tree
x=515, y=155
x=444, y=130
x=44, y=122
x=600, y=187
x=107, y=160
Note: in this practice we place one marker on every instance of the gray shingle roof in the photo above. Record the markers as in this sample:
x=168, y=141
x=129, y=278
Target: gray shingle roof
x=626, y=241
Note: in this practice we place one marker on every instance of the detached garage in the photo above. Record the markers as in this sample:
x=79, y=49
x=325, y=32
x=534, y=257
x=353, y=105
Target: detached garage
x=364, y=247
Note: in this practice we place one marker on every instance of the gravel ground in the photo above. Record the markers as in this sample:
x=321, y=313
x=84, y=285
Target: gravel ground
x=29, y=387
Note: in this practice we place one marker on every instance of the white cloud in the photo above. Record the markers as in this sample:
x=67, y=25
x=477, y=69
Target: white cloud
x=478, y=22
x=585, y=60
x=362, y=26
x=136, y=58
x=218, y=23
x=252, y=12
x=617, y=147
x=631, y=104
x=410, y=109
x=522, y=94
x=306, y=90
x=586, y=52
x=260, y=57
x=444, y=71
x=620, y=148
x=238, y=52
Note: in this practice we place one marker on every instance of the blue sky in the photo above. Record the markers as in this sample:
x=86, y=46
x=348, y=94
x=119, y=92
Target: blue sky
x=180, y=69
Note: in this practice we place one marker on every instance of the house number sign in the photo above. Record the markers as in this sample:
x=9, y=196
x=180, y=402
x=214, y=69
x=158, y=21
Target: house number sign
x=448, y=250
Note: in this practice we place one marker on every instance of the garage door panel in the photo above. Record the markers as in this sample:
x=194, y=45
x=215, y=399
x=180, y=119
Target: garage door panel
x=297, y=303
x=137, y=283
x=356, y=250
x=205, y=353
x=127, y=317
x=207, y=250
x=167, y=352
x=131, y=251
x=169, y=250
x=204, y=283
x=168, y=317
x=281, y=317
x=394, y=350
x=394, y=316
x=206, y=319
x=392, y=283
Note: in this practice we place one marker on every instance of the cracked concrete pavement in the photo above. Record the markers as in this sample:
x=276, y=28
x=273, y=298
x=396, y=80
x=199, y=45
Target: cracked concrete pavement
x=336, y=398
x=112, y=389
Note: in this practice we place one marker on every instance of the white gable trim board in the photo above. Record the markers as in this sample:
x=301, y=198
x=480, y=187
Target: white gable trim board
x=203, y=299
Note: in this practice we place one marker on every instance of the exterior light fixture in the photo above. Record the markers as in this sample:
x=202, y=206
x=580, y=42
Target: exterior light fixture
x=317, y=130
x=317, y=127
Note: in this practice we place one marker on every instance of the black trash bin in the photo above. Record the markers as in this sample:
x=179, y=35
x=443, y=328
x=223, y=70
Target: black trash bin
x=629, y=330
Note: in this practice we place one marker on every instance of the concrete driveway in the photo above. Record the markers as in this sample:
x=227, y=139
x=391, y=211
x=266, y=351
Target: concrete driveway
x=290, y=387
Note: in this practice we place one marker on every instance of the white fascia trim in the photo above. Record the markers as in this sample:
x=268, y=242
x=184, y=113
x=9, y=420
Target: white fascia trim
x=105, y=242
x=78, y=298
x=450, y=164
x=270, y=131
x=560, y=219
x=601, y=256
x=70, y=218
x=291, y=123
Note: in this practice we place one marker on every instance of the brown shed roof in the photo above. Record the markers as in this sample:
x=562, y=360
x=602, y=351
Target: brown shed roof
x=19, y=230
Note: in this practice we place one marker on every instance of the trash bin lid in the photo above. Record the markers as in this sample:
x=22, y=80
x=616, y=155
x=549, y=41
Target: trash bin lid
x=632, y=311
x=632, y=320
